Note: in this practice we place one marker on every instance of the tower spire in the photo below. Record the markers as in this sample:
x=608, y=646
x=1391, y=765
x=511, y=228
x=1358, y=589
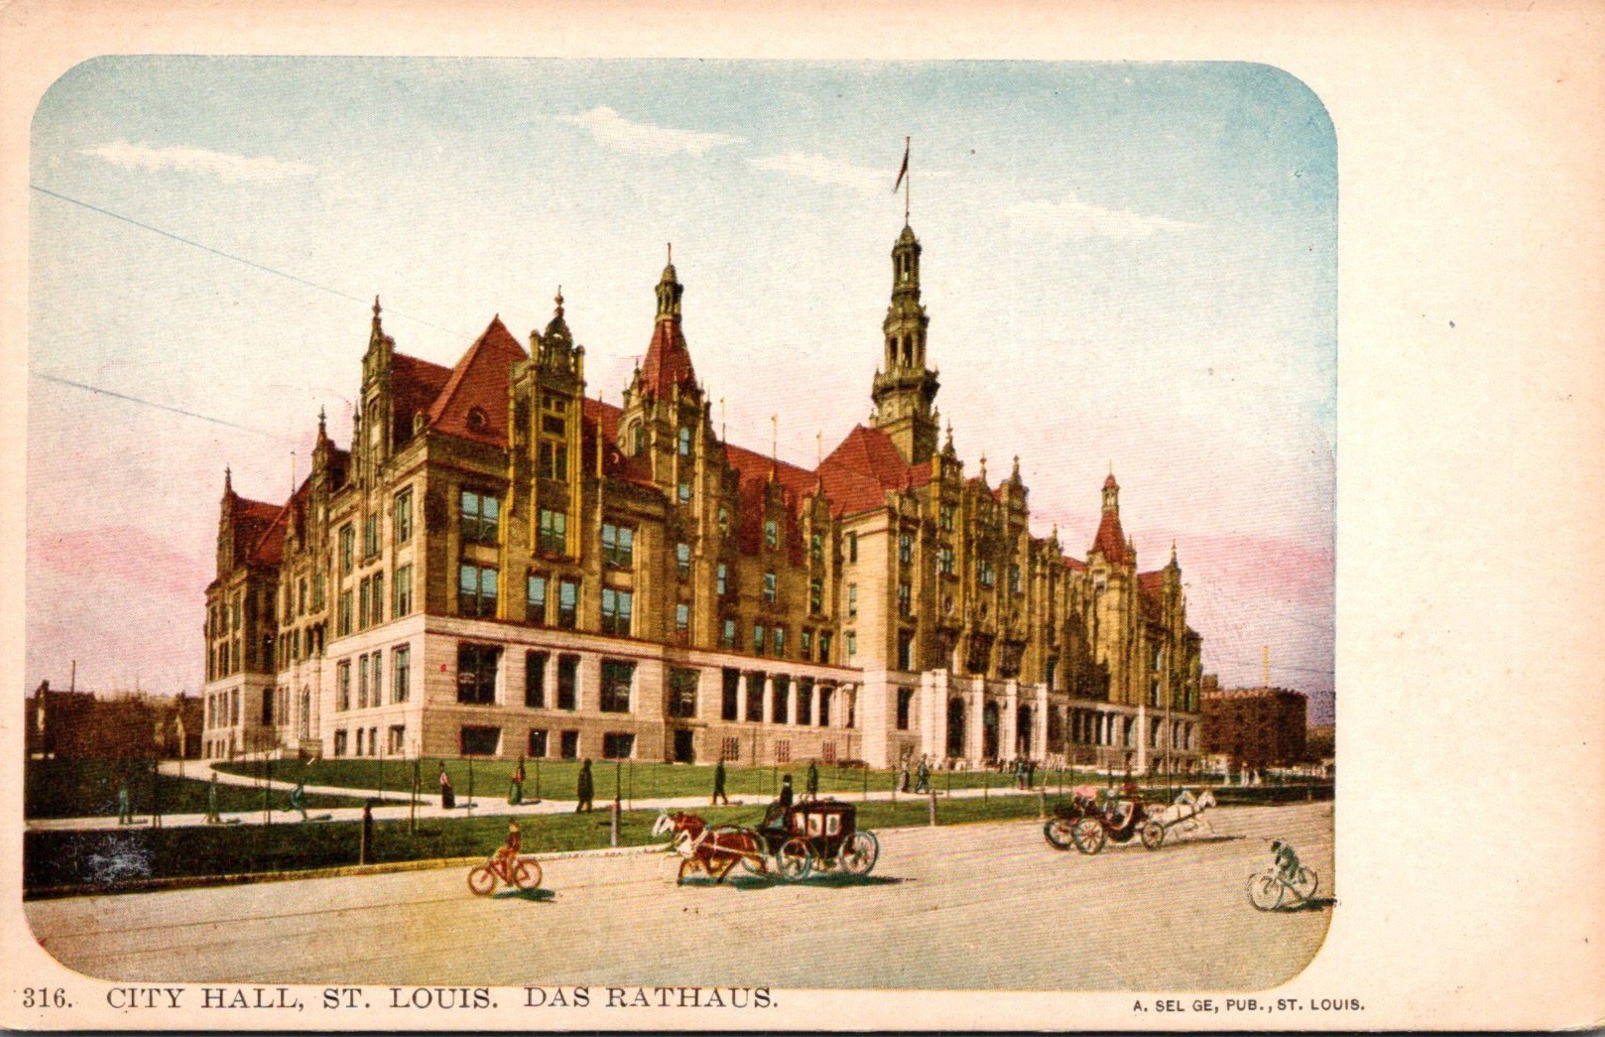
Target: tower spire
x=904, y=390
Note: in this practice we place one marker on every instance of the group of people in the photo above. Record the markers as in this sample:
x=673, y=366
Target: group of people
x=785, y=798
x=584, y=788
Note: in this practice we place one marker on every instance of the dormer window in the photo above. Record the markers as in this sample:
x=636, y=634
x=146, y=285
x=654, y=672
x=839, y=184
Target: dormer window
x=478, y=420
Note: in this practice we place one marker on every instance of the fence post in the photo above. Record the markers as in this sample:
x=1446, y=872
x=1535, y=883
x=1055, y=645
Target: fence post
x=613, y=835
x=365, y=847
x=1042, y=804
x=933, y=808
x=412, y=806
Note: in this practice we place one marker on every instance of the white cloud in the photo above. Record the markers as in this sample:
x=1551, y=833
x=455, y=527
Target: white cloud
x=230, y=168
x=822, y=169
x=612, y=130
x=1072, y=218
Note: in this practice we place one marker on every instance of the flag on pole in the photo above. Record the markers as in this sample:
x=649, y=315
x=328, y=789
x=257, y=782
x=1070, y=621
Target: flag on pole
x=901, y=173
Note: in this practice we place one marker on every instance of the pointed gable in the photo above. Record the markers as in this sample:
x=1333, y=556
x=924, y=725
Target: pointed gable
x=414, y=386
x=1111, y=540
x=863, y=467
x=473, y=402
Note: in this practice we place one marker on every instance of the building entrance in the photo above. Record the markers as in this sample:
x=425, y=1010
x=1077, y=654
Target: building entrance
x=684, y=749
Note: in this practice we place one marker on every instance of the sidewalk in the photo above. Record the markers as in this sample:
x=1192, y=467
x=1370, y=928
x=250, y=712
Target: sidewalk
x=395, y=806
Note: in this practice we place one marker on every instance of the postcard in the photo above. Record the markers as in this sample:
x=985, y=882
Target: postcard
x=692, y=518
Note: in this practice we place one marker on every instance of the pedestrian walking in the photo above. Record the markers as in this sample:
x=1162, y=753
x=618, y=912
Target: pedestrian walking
x=902, y=775
x=212, y=817
x=515, y=787
x=1030, y=774
x=718, y=785
x=922, y=776
x=584, y=789
x=298, y=798
x=125, y=810
x=813, y=780
x=448, y=795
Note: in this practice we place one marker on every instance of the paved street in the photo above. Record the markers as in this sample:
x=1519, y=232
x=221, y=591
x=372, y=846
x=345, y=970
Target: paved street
x=967, y=906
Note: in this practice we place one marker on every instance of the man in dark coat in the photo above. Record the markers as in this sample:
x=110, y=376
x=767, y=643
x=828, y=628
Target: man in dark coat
x=584, y=790
x=718, y=786
x=813, y=780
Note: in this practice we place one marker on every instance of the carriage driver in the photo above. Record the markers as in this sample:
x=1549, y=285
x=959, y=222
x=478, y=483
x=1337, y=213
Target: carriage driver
x=775, y=816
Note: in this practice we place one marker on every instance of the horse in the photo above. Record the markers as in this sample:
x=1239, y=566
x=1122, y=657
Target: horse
x=714, y=851
x=1186, y=810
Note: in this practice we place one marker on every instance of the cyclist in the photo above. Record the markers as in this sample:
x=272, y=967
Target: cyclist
x=507, y=853
x=1287, y=864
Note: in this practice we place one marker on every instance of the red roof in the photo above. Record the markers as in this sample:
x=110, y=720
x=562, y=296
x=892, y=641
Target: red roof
x=1074, y=564
x=1111, y=540
x=268, y=549
x=473, y=403
x=252, y=520
x=863, y=467
x=414, y=385
x=668, y=361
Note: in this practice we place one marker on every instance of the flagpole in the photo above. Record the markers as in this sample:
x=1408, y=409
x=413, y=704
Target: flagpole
x=908, y=182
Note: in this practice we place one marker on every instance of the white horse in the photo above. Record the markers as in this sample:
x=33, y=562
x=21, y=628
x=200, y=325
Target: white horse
x=1186, y=811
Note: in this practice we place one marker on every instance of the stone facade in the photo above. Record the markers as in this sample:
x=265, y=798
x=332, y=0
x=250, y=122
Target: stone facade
x=504, y=564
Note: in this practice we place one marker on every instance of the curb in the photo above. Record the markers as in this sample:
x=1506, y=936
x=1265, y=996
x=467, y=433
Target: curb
x=180, y=882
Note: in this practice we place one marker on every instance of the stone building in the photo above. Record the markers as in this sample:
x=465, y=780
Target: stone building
x=1255, y=727
x=505, y=564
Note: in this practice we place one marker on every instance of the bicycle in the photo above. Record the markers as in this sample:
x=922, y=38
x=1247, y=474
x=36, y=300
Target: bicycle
x=1267, y=889
x=520, y=872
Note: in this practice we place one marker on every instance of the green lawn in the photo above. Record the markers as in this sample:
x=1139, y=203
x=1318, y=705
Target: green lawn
x=86, y=788
x=555, y=779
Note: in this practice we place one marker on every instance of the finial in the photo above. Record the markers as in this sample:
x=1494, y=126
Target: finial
x=774, y=437
x=670, y=246
x=376, y=309
x=559, y=300
x=1016, y=467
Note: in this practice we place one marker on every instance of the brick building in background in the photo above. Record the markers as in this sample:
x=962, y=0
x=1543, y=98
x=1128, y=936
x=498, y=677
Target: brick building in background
x=111, y=725
x=504, y=564
x=1255, y=727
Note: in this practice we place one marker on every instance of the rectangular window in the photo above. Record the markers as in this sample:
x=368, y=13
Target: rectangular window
x=617, y=678
x=568, y=681
x=317, y=590
x=617, y=745
x=339, y=743
x=481, y=516
x=682, y=558
x=816, y=548
x=682, y=619
x=685, y=441
x=754, y=697
x=683, y=694
x=807, y=644
x=727, y=634
x=370, y=535
x=362, y=603
x=730, y=748
x=945, y=560
x=618, y=545
x=569, y=744
x=616, y=608
x=778, y=696
x=1014, y=579
x=852, y=600
x=401, y=519
x=852, y=547
x=777, y=637
x=759, y=638
x=983, y=569
x=342, y=622
x=481, y=741
x=553, y=531
x=476, y=590
x=402, y=606
x=771, y=587
x=771, y=533
x=805, y=700
x=398, y=739
x=378, y=677
x=536, y=590
x=348, y=547
x=782, y=750
x=824, y=646
x=377, y=614
x=816, y=595
x=476, y=673
x=852, y=644
x=568, y=603
x=301, y=598
x=905, y=548
x=535, y=680
x=905, y=650
x=947, y=517
x=537, y=743
x=553, y=459
x=401, y=672
x=905, y=598
x=730, y=695
x=343, y=685
x=685, y=493
x=723, y=580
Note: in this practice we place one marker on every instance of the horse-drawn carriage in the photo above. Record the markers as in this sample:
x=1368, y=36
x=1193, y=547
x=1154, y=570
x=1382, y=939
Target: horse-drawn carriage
x=1087, y=824
x=813, y=835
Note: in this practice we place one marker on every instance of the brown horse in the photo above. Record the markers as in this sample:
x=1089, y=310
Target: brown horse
x=713, y=851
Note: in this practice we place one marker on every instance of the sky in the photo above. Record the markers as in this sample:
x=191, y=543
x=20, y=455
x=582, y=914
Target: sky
x=1126, y=265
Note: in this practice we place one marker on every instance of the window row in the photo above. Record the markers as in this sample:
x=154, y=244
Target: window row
x=370, y=684
x=479, y=666
x=366, y=741
x=800, y=702
x=475, y=740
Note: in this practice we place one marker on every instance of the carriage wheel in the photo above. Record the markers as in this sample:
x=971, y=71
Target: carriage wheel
x=1306, y=882
x=859, y=854
x=527, y=874
x=1264, y=891
x=1153, y=835
x=793, y=860
x=1058, y=833
x=1088, y=834
x=482, y=881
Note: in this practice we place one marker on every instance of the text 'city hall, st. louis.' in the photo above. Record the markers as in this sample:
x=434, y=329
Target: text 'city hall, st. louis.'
x=504, y=565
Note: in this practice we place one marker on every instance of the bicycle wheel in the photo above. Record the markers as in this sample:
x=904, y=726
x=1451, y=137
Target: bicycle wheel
x=1264, y=891
x=482, y=881
x=527, y=874
x=1306, y=882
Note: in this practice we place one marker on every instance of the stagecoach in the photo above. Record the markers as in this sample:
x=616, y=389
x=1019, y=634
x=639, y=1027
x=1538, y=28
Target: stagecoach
x=813, y=835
